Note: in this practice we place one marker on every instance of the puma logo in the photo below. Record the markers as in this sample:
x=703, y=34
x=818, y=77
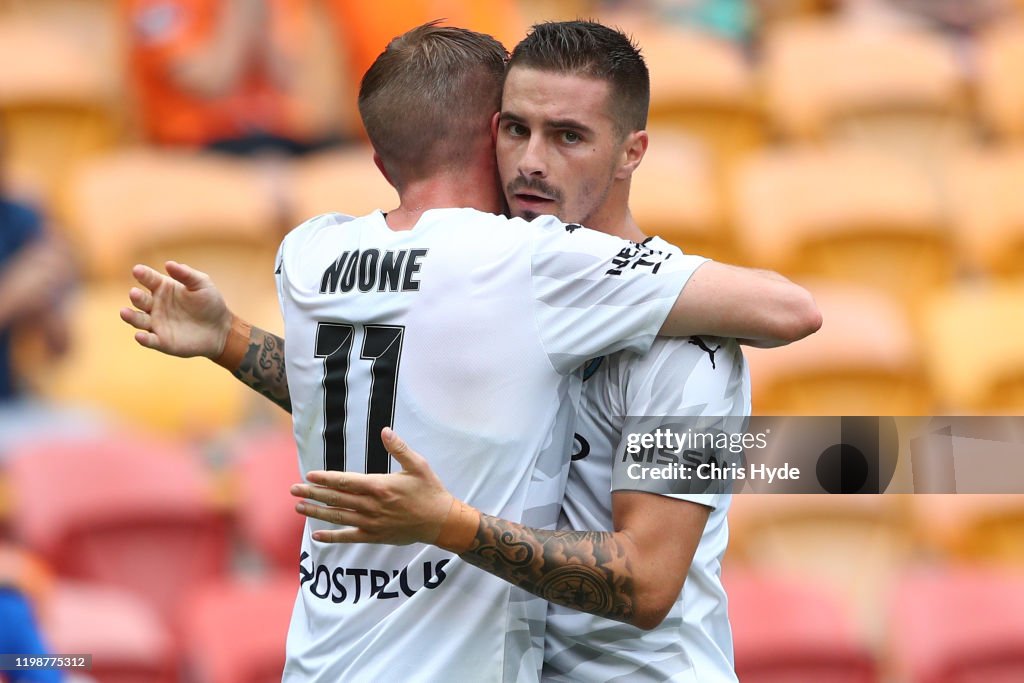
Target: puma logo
x=698, y=342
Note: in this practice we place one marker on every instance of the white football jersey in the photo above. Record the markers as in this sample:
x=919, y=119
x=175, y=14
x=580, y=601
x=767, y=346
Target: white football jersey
x=463, y=334
x=630, y=392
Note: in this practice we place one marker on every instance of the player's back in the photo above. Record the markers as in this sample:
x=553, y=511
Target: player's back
x=442, y=331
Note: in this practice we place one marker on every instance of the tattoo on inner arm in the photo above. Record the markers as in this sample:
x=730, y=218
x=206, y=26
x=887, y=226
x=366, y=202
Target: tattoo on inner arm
x=263, y=368
x=584, y=570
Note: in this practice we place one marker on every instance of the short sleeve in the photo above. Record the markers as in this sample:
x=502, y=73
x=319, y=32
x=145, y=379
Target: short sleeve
x=687, y=407
x=596, y=294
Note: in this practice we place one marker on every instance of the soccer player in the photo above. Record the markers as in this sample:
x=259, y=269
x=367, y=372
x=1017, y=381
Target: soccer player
x=575, y=99
x=452, y=298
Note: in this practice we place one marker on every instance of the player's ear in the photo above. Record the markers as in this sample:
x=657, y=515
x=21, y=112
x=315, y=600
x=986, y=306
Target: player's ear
x=494, y=127
x=633, y=149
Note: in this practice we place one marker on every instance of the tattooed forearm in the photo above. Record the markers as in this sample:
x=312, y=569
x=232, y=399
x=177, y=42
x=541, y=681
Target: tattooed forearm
x=584, y=570
x=263, y=368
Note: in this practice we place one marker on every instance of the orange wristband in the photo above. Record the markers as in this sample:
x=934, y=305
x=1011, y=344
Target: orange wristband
x=459, y=529
x=236, y=344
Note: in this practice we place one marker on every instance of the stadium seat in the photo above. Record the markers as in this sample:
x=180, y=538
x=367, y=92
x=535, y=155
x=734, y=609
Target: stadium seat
x=128, y=641
x=346, y=181
x=55, y=107
x=716, y=102
x=847, y=213
x=959, y=625
x=787, y=630
x=266, y=466
x=987, y=209
x=976, y=529
x=673, y=195
x=989, y=380
x=236, y=629
x=147, y=205
x=128, y=510
x=863, y=361
x=107, y=370
x=899, y=88
x=854, y=545
x=1000, y=59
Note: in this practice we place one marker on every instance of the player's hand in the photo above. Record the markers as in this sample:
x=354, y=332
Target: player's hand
x=397, y=509
x=181, y=313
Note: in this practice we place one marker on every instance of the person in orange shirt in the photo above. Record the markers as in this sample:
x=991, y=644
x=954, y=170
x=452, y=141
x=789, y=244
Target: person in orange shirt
x=366, y=27
x=216, y=73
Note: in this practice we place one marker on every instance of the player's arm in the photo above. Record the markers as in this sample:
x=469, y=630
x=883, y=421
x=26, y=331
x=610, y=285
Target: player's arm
x=762, y=308
x=184, y=314
x=629, y=575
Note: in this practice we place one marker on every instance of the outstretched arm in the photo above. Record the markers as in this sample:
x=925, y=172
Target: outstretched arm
x=760, y=307
x=184, y=314
x=629, y=574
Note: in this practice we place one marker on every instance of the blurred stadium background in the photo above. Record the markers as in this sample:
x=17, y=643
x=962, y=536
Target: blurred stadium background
x=870, y=149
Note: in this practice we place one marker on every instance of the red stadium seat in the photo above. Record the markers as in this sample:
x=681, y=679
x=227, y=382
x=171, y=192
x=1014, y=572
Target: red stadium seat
x=236, y=630
x=786, y=631
x=125, y=510
x=959, y=626
x=267, y=465
x=128, y=641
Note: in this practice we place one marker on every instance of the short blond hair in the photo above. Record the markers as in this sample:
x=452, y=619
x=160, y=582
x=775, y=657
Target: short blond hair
x=428, y=95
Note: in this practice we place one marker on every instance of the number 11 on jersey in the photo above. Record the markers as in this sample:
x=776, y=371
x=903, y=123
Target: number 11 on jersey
x=382, y=346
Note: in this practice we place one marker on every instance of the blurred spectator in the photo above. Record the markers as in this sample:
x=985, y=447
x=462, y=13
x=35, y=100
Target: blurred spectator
x=21, y=580
x=365, y=28
x=729, y=19
x=218, y=73
x=36, y=274
x=955, y=17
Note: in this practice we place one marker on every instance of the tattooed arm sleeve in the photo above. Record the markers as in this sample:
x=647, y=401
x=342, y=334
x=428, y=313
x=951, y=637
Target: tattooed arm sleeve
x=633, y=574
x=263, y=369
x=585, y=570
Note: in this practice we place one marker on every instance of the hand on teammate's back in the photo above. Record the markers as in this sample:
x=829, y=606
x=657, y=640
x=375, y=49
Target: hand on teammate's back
x=404, y=507
x=180, y=314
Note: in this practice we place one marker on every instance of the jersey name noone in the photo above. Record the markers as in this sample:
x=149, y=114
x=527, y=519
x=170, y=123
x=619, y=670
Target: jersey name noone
x=373, y=269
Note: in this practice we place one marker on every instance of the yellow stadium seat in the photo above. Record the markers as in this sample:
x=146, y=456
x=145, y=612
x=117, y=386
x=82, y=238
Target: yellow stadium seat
x=55, y=105
x=987, y=207
x=107, y=369
x=673, y=195
x=988, y=379
x=345, y=181
x=969, y=528
x=701, y=86
x=863, y=361
x=1000, y=60
x=219, y=215
x=844, y=212
x=896, y=87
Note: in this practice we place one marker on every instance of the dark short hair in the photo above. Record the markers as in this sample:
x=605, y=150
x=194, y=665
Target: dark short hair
x=432, y=89
x=590, y=49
